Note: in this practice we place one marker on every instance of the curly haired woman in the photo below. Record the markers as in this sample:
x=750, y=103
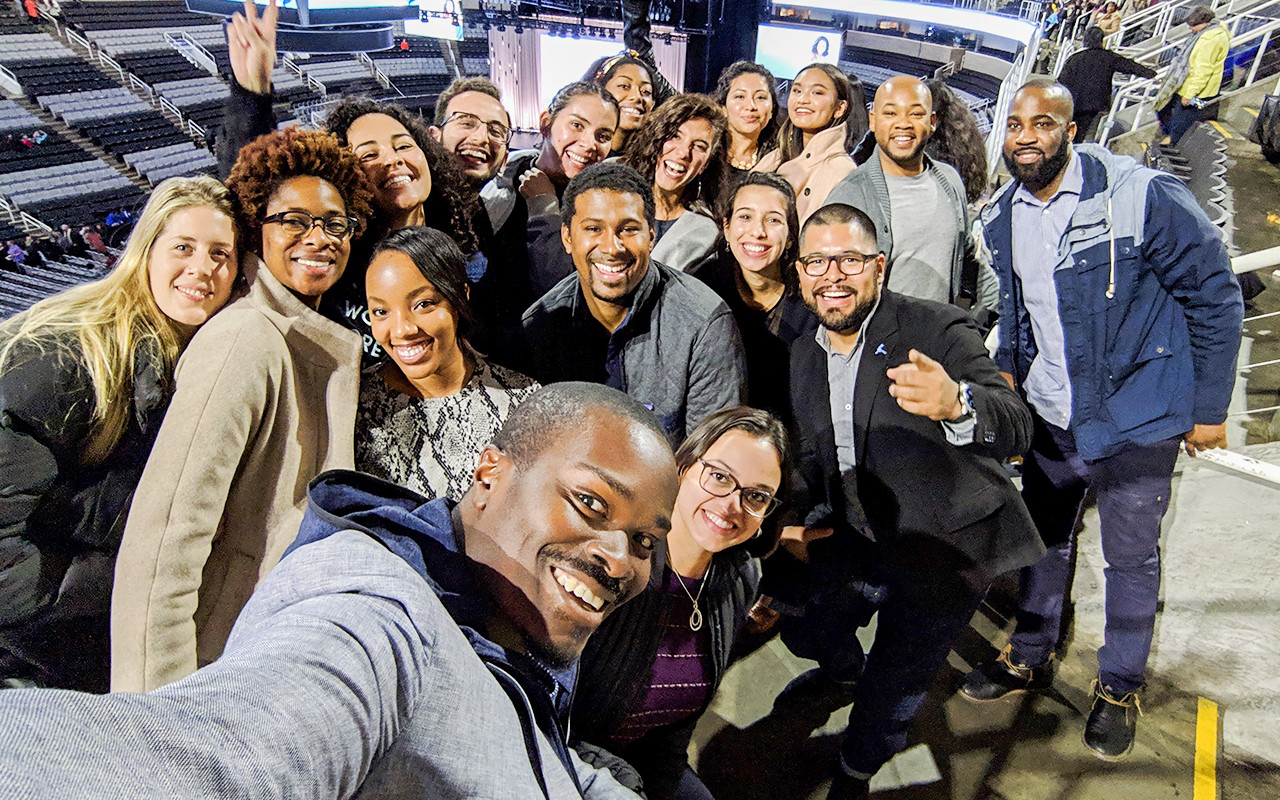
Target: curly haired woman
x=682, y=150
x=265, y=401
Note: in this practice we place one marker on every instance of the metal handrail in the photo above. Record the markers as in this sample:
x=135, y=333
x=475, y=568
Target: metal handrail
x=75, y=38
x=192, y=51
x=1139, y=93
x=9, y=82
x=32, y=222
x=195, y=129
x=138, y=84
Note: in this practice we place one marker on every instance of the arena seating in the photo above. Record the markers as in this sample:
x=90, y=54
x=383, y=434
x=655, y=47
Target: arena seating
x=38, y=282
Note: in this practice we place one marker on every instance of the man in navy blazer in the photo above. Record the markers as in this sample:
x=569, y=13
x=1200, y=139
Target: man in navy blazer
x=904, y=507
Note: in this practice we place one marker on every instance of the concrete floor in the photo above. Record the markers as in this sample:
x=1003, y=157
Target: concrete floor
x=1217, y=637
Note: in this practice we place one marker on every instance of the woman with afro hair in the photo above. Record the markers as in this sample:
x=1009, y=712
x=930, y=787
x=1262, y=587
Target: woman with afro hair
x=414, y=179
x=265, y=400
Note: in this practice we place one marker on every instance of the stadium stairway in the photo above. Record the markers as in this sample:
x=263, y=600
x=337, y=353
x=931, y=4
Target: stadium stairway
x=53, y=123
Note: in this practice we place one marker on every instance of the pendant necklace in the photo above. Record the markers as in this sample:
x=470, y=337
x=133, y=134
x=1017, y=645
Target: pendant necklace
x=695, y=619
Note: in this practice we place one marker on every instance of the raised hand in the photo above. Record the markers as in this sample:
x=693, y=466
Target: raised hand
x=251, y=42
x=922, y=387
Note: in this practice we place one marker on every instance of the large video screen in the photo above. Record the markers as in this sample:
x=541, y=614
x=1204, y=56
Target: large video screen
x=439, y=19
x=785, y=51
x=320, y=12
x=562, y=60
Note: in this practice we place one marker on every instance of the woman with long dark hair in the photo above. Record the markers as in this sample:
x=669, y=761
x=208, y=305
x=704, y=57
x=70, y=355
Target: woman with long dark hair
x=682, y=150
x=427, y=412
x=820, y=130
x=651, y=669
x=749, y=94
x=957, y=141
x=753, y=271
x=85, y=377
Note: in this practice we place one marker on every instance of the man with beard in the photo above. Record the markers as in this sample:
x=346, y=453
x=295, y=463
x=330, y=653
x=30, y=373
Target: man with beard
x=900, y=501
x=1119, y=323
x=917, y=204
x=629, y=322
x=402, y=648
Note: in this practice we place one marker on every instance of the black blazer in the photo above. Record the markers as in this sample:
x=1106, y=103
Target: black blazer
x=912, y=482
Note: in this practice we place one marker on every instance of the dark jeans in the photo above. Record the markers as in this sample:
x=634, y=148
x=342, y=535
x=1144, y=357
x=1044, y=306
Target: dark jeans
x=924, y=606
x=1176, y=119
x=1132, y=488
x=1084, y=121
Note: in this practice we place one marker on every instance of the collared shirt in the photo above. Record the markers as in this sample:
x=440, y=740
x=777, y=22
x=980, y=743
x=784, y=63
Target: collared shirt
x=1038, y=228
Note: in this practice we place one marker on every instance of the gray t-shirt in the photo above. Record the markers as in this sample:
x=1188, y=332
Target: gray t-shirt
x=924, y=234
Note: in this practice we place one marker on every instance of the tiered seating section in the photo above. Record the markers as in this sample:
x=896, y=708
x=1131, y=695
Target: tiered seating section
x=21, y=290
x=420, y=72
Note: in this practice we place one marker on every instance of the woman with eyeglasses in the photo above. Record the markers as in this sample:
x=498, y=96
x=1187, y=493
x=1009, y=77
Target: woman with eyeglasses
x=426, y=414
x=825, y=121
x=753, y=271
x=653, y=666
x=265, y=401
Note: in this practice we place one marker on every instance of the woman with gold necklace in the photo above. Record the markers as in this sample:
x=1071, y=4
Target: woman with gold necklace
x=652, y=668
x=749, y=94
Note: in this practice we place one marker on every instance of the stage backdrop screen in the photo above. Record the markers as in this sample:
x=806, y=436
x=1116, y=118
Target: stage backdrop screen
x=562, y=60
x=785, y=51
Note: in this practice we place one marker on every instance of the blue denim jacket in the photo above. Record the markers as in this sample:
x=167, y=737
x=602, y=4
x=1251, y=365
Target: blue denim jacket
x=1150, y=308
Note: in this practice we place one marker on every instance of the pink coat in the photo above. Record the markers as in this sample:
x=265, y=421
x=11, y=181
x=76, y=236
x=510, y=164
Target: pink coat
x=815, y=172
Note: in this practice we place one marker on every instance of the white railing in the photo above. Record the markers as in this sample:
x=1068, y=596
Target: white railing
x=139, y=85
x=9, y=210
x=195, y=129
x=192, y=51
x=29, y=223
x=9, y=82
x=169, y=107
x=75, y=38
x=1137, y=95
x=1018, y=73
x=383, y=79
x=110, y=63
x=312, y=83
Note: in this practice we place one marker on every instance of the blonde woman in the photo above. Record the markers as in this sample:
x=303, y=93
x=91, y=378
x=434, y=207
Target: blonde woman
x=85, y=377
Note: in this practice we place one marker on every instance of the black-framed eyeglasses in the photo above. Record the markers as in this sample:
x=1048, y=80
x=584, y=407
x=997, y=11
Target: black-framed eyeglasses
x=470, y=123
x=717, y=481
x=300, y=223
x=850, y=262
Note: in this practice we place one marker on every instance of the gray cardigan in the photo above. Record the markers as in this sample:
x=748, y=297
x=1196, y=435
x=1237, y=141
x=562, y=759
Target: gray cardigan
x=690, y=240
x=865, y=188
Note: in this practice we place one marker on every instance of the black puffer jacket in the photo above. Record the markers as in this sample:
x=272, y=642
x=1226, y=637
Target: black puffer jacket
x=619, y=657
x=55, y=509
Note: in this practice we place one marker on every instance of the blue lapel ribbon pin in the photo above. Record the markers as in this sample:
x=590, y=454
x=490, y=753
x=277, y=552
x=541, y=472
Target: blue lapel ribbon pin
x=880, y=351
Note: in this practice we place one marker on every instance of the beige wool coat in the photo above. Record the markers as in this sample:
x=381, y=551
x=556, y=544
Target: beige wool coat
x=815, y=172
x=265, y=400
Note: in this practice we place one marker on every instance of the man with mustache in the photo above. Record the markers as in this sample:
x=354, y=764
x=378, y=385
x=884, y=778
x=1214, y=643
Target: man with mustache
x=1119, y=323
x=627, y=321
x=402, y=648
x=917, y=204
x=900, y=502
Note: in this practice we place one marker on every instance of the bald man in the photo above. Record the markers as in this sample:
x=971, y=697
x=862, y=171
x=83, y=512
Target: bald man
x=1119, y=324
x=917, y=204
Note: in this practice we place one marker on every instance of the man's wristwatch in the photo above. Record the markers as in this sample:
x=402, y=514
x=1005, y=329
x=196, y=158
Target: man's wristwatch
x=964, y=393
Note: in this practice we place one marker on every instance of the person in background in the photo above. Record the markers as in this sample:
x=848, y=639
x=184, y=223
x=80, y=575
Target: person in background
x=577, y=131
x=403, y=647
x=1088, y=74
x=683, y=148
x=1194, y=80
x=627, y=321
x=918, y=205
x=265, y=400
x=957, y=140
x=629, y=80
x=1123, y=339
x=85, y=377
x=16, y=254
x=426, y=413
x=753, y=271
x=749, y=95
x=822, y=127
x=1107, y=18
x=652, y=668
